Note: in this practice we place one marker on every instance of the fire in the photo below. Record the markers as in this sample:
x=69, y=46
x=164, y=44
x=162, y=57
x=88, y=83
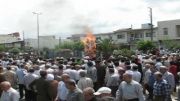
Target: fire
x=90, y=45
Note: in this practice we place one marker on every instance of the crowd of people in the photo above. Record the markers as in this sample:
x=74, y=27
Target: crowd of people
x=147, y=78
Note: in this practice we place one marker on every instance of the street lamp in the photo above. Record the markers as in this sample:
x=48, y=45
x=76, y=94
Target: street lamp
x=37, y=14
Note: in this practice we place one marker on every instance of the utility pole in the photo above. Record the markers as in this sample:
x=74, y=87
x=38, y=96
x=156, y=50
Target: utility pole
x=151, y=23
x=59, y=41
x=37, y=15
x=24, y=44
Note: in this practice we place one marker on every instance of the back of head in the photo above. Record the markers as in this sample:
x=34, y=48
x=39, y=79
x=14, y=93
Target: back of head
x=90, y=64
x=8, y=68
x=31, y=70
x=134, y=67
x=43, y=73
x=82, y=73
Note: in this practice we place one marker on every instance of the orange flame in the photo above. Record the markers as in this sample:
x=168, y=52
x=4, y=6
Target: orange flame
x=90, y=45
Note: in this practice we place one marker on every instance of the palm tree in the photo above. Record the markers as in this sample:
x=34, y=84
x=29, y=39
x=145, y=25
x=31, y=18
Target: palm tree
x=105, y=47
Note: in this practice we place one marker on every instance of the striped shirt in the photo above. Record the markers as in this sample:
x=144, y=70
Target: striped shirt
x=28, y=79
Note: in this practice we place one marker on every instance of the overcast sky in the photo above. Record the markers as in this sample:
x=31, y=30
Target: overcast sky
x=66, y=17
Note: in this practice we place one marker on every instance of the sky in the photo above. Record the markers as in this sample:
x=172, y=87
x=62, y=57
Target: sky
x=66, y=17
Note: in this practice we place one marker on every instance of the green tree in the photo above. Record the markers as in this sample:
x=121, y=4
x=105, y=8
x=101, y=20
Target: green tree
x=145, y=45
x=78, y=45
x=15, y=51
x=123, y=52
x=105, y=46
x=2, y=48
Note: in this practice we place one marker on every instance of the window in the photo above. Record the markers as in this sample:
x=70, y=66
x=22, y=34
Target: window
x=165, y=30
x=178, y=30
x=122, y=36
x=148, y=34
x=98, y=38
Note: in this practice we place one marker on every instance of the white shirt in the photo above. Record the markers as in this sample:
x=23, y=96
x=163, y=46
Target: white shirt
x=85, y=82
x=62, y=91
x=129, y=91
x=10, y=95
x=136, y=76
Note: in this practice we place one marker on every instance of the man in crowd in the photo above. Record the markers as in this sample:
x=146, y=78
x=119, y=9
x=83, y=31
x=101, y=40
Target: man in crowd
x=89, y=94
x=113, y=81
x=74, y=94
x=11, y=76
x=62, y=90
x=104, y=94
x=9, y=93
x=42, y=87
x=28, y=79
x=129, y=90
x=84, y=81
x=21, y=72
x=161, y=89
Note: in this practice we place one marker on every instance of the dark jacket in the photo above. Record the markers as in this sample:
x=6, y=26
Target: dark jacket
x=42, y=87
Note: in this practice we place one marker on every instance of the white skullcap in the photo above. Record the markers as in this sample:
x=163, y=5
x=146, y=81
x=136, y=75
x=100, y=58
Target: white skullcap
x=103, y=90
x=50, y=77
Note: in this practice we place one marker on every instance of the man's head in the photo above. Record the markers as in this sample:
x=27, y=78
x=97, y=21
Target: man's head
x=121, y=71
x=31, y=70
x=88, y=93
x=82, y=73
x=71, y=84
x=43, y=73
x=65, y=77
x=158, y=75
x=103, y=91
x=5, y=86
x=134, y=67
x=147, y=66
x=163, y=69
x=127, y=76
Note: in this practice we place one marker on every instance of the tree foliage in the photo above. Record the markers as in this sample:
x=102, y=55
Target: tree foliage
x=77, y=45
x=105, y=46
x=123, y=52
x=15, y=51
x=2, y=48
x=145, y=45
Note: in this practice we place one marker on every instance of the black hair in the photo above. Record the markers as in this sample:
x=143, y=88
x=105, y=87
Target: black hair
x=43, y=73
x=116, y=63
x=90, y=64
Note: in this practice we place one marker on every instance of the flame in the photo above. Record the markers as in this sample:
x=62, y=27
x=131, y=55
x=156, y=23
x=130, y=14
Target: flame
x=90, y=45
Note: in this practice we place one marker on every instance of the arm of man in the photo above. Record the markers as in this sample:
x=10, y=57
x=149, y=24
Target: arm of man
x=140, y=92
x=15, y=96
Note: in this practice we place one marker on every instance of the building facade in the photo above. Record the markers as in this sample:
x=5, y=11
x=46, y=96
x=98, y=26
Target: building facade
x=44, y=42
x=169, y=30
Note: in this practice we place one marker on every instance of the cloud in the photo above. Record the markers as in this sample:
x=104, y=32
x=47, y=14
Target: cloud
x=66, y=17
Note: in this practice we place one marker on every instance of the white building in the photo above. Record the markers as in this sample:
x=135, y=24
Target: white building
x=44, y=42
x=169, y=29
x=8, y=38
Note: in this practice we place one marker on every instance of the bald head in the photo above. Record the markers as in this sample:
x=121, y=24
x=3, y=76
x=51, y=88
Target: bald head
x=5, y=85
x=163, y=69
x=127, y=76
x=88, y=93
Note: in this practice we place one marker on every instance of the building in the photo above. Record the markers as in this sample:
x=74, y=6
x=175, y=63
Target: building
x=44, y=42
x=11, y=40
x=169, y=30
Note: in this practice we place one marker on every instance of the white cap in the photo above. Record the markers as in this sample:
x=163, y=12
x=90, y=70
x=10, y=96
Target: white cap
x=50, y=77
x=129, y=72
x=103, y=90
